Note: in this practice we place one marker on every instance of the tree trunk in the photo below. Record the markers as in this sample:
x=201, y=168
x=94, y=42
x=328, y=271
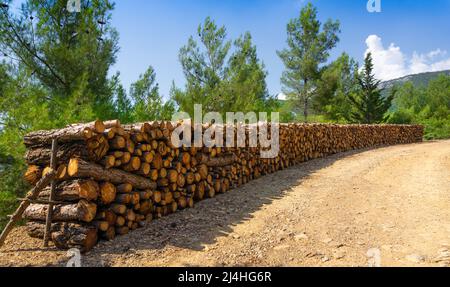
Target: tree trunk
x=74, y=191
x=66, y=235
x=82, y=169
x=305, y=112
x=41, y=155
x=209, y=161
x=82, y=211
x=71, y=133
x=305, y=101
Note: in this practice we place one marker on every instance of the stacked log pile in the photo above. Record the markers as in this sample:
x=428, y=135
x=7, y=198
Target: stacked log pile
x=113, y=179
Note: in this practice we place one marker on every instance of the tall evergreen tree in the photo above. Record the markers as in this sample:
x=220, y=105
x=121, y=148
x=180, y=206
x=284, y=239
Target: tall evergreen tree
x=337, y=81
x=370, y=107
x=69, y=54
x=309, y=43
x=148, y=104
x=204, y=67
x=123, y=106
x=245, y=86
x=219, y=80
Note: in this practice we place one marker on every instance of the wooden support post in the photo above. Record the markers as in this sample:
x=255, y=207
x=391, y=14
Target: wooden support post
x=32, y=195
x=39, y=201
x=48, y=223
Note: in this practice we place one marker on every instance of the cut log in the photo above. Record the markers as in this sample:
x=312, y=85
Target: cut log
x=124, y=188
x=101, y=225
x=71, y=133
x=66, y=235
x=152, y=177
x=124, y=198
x=120, y=221
x=81, y=169
x=33, y=174
x=109, y=235
x=107, y=193
x=82, y=211
x=124, y=230
x=110, y=217
x=118, y=208
x=74, y=191
x=41, y=155
x=222, y=161
x=118, y=142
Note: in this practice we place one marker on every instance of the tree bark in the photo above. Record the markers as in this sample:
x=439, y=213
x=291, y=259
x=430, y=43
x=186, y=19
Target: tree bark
x=70, y=133
x=41, y=155
x=224, y=160
x=66, y=235
x=82, y=211
x=82, y=169
x=74, y=190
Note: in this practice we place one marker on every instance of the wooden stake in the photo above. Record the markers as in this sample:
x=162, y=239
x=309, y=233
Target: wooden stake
x=48, y=223
x=32, y=195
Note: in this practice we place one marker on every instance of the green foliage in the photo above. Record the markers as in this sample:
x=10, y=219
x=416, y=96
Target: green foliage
x=217, y=80
x=429, y=105
x=402, y=117
x=338, y=79
x=309, y=43
x=244, y=87
x=57, y=74
x=204, y=68
x=148, y=104
x=123, y=107
x=69, y=54
x=369, y=105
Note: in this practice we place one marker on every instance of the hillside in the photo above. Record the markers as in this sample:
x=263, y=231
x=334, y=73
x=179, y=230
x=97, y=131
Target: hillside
x=417, y=79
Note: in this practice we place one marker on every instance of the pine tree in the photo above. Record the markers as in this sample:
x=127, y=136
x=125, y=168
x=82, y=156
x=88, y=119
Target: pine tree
x=337, y=81
x=309, y=43
x=219, y=80
x=122, y=103
x=245, y=86
x=370, y=107
x=148, y=104
x=204, y=68
x=68, y=54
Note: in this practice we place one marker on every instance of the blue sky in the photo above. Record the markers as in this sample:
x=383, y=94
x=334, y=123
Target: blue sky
x=153, y=31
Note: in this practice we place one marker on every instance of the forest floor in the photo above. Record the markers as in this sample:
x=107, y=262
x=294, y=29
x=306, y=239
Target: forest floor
x=394, y=201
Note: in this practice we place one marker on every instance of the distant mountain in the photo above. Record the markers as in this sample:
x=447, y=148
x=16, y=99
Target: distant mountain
x=419, y=80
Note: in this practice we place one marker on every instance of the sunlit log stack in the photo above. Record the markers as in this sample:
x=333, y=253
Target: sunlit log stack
x=114, y=179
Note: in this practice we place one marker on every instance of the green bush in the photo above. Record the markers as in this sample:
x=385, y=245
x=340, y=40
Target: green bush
x=437, y=128
x=403, y=117
x=12, y=186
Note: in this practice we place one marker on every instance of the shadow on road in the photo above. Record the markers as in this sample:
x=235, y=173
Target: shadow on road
x=194, y=228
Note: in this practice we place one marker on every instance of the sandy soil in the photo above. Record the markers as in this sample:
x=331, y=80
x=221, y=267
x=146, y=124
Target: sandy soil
x=393, y=201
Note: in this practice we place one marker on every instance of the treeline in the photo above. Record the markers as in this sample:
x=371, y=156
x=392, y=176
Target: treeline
x=427, y=105
x=55, y=66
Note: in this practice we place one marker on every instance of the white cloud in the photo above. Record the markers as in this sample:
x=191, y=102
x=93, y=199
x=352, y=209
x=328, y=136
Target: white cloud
x=282, y=96
x=391, y=63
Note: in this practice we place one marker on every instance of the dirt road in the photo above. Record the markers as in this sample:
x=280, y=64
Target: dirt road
x=393, y=201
